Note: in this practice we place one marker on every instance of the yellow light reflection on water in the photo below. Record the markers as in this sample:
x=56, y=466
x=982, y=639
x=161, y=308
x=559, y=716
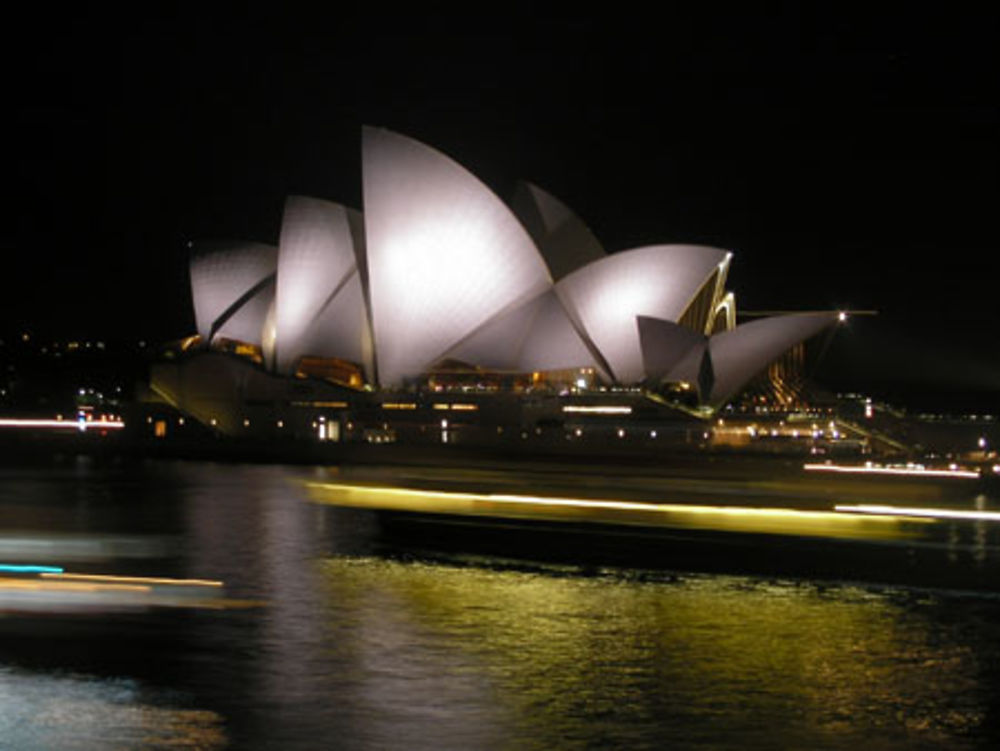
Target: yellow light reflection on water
x=555, y=657
x=747, y=519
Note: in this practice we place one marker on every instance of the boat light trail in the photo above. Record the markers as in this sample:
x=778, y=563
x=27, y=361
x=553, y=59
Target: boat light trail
x=759, y=520
x=879, y=470
x=920, y=513
x=13, y=422
x=133, y=580
x=14, y=568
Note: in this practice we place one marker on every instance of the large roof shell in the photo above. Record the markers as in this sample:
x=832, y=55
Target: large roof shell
x=444, y=253
x=535, y=336
x=664, y=345
x=738, y=355
x=565, y=242
x=658, y=281
x=224, y=277
x=248, y=320
x=318, y=288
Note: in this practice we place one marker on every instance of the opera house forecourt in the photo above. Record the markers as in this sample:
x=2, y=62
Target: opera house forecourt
x=441, y=313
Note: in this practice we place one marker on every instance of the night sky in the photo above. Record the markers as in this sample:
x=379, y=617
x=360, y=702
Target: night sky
x=848, y=159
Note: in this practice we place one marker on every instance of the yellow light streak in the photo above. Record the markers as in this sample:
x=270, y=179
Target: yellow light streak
x=399, y=405
x=598, y=410
x=878, y=470
x=920, y=513
x=69, y=586
x=761, y=520
x=133, y=580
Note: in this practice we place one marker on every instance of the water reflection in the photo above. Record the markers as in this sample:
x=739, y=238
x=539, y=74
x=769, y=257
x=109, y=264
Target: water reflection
x=362, y=647
x=545, y=661
x=43, y=712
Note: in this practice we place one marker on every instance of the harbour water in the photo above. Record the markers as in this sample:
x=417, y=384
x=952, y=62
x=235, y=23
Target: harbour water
x=351, y=642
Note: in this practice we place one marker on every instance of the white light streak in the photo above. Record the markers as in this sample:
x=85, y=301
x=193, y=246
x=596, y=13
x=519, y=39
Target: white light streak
x=879, y=470
x=598, y=410
x=922, y=513
x=10, y=422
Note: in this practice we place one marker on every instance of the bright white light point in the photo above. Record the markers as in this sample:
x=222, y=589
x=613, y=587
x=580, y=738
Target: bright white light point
x=841, y=316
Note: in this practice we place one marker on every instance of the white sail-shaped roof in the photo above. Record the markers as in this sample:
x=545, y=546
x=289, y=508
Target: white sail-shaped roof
x=317, y=258
x=444, y=253
x=566, y=243
x=553, y=343
x=664, y=344
x=497, y=343
x=247, y=322
x=738, y=355
x=658, y=281
x=225, y=276
x=535, y=336
x=340, y=328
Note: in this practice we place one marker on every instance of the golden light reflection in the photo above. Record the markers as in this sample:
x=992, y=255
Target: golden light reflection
x=569, y=656
x=62, y=592
x=786, y=521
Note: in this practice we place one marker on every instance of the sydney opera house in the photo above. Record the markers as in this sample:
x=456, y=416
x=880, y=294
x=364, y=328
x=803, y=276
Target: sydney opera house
x=441, y=305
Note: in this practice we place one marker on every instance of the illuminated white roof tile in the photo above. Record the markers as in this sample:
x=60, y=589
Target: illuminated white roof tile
x=316, y=258
x=247, y=323
x=658, y=281
x=340, y=329
x=535, y=336
x=222, y=274
x=664, y=345
x=553, y=343
x=738, y=355
x=444, y=253
x=564, y=240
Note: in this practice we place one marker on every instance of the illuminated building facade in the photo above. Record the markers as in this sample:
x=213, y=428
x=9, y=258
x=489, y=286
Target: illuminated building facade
x=438, y=283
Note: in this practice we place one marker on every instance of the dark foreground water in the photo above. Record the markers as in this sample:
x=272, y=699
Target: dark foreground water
x=358, y=647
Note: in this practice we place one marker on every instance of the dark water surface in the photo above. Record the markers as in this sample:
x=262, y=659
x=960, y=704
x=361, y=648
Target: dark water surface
x=357, y=647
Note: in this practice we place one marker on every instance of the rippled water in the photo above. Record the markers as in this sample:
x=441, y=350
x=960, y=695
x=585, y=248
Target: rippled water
x=359, y=646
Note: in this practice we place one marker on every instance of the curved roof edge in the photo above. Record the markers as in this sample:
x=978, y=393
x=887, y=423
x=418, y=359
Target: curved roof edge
x=738, y=355
x=658, y=281
x=565, y=242
x=317, y=256
x=224, y=276
x=444, y=253
x=664, y=344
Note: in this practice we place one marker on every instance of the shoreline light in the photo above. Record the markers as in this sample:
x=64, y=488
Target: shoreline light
x=878, y=470
x=598, y=410
x=13, y=422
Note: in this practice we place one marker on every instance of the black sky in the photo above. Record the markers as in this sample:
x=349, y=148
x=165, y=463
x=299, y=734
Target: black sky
x=847, y=158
